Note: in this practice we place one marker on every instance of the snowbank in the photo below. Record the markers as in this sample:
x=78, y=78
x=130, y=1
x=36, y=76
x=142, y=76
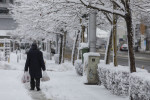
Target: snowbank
x=51, y=66
x=116, y=79
x=14, y=64
x=56, y=58
x=79, y=67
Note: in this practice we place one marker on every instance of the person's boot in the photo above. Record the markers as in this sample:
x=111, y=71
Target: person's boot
x=31, y=88
x=38, y=89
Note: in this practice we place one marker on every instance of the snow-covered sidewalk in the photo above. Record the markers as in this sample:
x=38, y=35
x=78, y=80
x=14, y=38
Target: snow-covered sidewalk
x=11, y=87
x=64, y=84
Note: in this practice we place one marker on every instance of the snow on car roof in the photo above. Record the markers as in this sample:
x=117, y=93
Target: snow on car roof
x=125, y=45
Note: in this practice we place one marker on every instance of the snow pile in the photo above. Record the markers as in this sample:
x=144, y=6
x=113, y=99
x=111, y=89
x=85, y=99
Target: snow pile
x=51, y=66
x=56, y=58
x=140, y=86
x=115, y=79
x=13, y=64
x=4, y=65
x=46, y=55
x=79, y=67
x=67, y=66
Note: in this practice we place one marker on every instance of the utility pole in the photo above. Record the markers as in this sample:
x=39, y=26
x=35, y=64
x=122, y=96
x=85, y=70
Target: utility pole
x=93, y=60
x=92, y=31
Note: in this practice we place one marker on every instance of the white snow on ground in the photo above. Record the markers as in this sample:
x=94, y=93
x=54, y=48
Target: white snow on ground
x=11, y=87
x=69, y=86
x=64, y=83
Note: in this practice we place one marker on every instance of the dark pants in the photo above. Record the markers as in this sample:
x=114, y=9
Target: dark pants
x=35, y=82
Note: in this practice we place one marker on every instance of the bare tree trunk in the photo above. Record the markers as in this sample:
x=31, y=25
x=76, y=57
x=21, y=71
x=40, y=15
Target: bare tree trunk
x=115, y=38
x=64, y=46
x=50, y=47
x=109, y=46
x=60, y=53
x=74, y=49
x=79, y=41
x=82, y=33
x=56, y=51
x=128, y=19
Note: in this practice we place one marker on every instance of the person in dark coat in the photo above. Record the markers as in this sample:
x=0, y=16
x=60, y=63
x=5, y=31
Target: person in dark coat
x=35, y=64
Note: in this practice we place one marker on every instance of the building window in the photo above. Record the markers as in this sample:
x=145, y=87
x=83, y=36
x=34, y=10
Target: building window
x=4, y=10
x=1, y=45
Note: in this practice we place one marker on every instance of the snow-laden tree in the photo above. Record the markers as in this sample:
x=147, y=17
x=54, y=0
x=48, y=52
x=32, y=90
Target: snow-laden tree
x=124, y=9
x=41, y=18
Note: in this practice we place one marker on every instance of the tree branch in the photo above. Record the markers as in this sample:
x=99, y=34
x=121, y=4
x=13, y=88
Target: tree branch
x=117, y=4
x=108, y=18
x=104, y=9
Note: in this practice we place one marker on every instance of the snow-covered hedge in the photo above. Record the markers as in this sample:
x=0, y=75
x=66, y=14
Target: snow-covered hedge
x=56, y=58
x=140, y=86
x=115, y=79
x=79, y=67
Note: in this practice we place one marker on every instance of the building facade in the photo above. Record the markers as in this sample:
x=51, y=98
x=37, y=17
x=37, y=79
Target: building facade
x=6, y=25
x=142, y=36
x=6, y=21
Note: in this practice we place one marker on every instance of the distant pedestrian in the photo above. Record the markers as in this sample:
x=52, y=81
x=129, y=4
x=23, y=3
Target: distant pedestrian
x=35, y=64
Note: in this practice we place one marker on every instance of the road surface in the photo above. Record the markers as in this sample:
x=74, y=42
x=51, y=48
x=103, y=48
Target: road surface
x=141, y=59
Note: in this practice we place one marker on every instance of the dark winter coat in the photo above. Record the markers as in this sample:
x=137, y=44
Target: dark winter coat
x=35, y=62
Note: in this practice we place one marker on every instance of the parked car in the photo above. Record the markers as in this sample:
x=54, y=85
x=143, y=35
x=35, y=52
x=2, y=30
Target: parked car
x=124, y=47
